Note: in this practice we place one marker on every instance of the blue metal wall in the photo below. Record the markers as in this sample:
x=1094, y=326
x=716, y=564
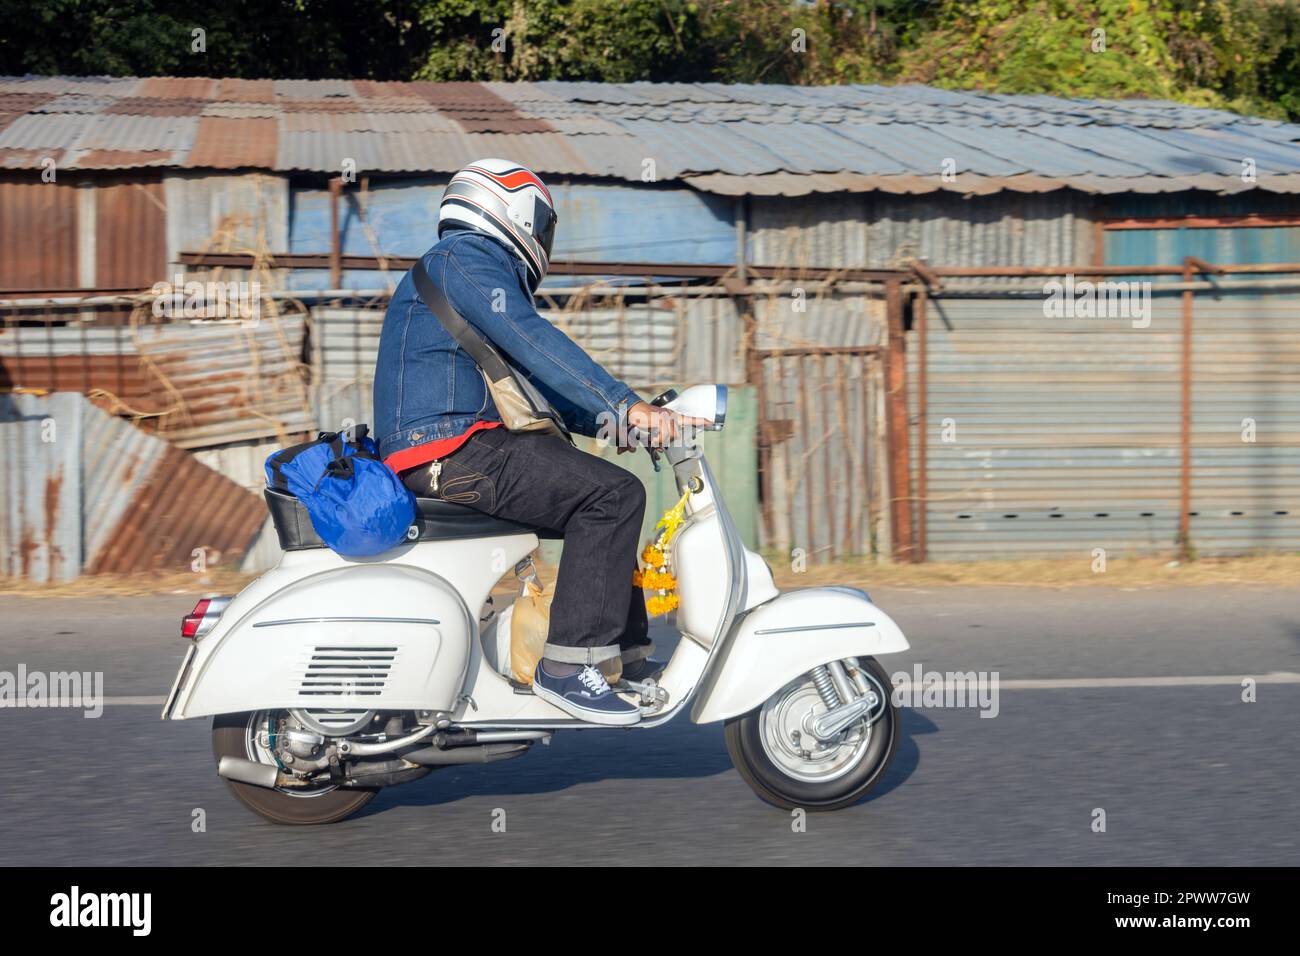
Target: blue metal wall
x=597, y=222
x=1236, y=245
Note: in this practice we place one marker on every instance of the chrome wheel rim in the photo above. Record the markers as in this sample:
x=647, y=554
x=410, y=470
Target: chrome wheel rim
x=256, y=749
x=785, y=724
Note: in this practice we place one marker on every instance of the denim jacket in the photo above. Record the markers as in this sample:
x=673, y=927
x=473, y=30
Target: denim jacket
x=427, y=388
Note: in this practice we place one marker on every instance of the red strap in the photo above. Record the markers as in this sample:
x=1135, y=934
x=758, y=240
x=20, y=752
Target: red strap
x=417, y=455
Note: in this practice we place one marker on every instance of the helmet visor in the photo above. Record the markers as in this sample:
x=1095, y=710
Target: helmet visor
x=544, y=220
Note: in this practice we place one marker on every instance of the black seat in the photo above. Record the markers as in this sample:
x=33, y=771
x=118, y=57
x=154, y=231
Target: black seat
x=435, y=519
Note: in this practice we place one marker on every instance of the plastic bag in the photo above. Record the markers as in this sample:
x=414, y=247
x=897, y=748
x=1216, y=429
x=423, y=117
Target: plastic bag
x=530, y=621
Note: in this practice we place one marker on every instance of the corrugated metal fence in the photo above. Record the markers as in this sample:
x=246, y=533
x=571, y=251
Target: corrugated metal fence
x=83, y=490
x=1052, y=436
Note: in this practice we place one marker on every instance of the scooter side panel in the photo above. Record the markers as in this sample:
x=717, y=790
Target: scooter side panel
x=374, y=637
x=787, y=637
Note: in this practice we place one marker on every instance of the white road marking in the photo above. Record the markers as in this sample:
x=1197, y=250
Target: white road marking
x=1083, y=683
x=135, y=701
x=1033, y=683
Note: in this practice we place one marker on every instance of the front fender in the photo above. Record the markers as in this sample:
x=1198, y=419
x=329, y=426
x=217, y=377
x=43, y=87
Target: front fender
x=789, y=636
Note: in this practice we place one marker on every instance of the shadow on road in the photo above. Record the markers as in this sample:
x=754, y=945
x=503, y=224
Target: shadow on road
x=677, y=750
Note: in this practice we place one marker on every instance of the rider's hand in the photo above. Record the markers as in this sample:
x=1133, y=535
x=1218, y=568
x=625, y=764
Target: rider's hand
x=661, y=425
x=658, y=424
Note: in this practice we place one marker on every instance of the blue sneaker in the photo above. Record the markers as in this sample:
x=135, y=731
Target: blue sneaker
x=644, y=669
x=585, y=695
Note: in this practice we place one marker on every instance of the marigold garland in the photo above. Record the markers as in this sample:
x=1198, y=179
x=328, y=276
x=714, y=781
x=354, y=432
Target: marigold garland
x=657, y=556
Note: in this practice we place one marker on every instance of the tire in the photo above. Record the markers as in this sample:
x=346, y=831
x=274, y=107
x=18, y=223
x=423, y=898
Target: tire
x=774, y=785
x=230, y=739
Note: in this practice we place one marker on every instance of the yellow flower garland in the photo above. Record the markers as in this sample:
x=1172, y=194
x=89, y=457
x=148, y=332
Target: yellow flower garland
x=656, y=576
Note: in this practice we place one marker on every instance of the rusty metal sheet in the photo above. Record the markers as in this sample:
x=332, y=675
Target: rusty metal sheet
x=245, y=91
x=149, y=106
x=130, y=231
x=176, y=87
x=424, y=120
x=149, y=507
x=195, y=384
x=112, y=381
x=40, y=487
x=225, y=383
x=386, y=90
x=234, y=143
x=13, y=105
x=38, y=234
x=122, y=158
x=176, y=510
x=478, y=109
x=339, y=105
x=29, y=159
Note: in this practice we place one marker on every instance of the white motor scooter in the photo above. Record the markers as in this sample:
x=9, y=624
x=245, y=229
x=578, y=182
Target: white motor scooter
x=330, y=677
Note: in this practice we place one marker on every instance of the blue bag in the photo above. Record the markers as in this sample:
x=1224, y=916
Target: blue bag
x=357, y=504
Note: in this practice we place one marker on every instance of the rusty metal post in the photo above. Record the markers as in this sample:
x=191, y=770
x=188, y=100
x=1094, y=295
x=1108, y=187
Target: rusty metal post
x=336, y=240
x=900, y=477
x=922, y=429
x=1185, y=469
x=755, y=376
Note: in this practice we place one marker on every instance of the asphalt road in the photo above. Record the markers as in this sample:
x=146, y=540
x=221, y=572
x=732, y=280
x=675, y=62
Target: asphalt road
x=1186, y=772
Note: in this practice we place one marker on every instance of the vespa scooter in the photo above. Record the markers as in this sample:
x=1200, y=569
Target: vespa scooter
x=330, y=677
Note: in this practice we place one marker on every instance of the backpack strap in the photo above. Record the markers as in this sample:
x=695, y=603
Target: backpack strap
x=485, y=356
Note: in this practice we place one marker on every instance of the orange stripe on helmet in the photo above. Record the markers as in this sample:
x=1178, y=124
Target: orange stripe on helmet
x=514, y=180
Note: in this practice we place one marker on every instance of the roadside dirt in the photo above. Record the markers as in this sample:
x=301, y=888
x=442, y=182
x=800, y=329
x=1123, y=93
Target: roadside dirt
x=1270, y=571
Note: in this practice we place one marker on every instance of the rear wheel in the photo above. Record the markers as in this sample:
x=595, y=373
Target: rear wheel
x=786, y=764
x=243, y=736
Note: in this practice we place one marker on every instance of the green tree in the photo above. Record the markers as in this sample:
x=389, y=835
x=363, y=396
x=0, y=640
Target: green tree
x=1238, y=54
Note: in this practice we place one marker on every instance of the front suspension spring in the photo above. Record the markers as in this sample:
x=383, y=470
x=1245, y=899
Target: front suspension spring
x=825, y=686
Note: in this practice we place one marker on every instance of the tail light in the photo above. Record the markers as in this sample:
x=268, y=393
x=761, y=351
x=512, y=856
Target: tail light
x=204, y=617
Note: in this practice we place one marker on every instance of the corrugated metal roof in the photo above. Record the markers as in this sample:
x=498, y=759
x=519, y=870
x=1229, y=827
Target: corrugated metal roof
x=774, y=140
x=225, y=142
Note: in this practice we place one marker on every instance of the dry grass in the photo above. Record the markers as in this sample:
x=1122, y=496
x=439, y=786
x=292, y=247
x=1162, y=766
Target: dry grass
x=1277, y=570
x=133, y=585
x=1274, y=570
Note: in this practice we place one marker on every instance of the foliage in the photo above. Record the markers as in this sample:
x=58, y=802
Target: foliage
x=1238, y=54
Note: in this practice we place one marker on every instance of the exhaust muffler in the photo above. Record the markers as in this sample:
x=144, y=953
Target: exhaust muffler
x=248, y=771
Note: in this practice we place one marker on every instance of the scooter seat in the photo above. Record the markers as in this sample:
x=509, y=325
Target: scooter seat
x=435, y=519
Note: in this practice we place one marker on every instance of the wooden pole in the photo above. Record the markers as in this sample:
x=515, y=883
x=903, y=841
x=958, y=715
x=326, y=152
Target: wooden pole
x=336, y=240
x=1185, y=470
x=900, y=478
x=922, y=429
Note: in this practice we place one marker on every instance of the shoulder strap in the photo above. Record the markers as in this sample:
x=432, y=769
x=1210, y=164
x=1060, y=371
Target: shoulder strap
x=484, y=355
x=477, y=347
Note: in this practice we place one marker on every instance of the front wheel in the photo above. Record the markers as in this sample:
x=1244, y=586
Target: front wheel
x=244, y=736
x=776, y=751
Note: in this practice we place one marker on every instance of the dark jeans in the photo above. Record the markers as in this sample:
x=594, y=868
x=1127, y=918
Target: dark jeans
x=543, y=481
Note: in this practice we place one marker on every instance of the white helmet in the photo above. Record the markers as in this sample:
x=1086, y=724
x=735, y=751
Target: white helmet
x=505, y=200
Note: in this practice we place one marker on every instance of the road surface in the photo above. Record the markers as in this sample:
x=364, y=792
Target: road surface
x=1186, y=772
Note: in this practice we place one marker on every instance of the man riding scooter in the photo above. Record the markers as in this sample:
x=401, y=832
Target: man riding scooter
x=439, y=429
